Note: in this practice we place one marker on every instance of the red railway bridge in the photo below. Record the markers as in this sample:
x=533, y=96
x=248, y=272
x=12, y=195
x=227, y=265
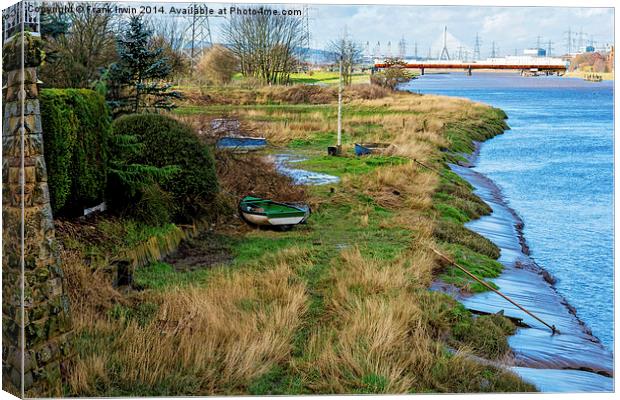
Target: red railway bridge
x=548, y=67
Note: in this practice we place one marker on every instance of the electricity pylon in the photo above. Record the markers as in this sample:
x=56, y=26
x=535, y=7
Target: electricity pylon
x=197, y=35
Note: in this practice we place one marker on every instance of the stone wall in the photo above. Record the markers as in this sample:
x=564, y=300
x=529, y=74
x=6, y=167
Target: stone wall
x=46, y=323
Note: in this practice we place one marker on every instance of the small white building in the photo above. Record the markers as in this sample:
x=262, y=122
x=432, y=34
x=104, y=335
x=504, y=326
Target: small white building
x=535, y=52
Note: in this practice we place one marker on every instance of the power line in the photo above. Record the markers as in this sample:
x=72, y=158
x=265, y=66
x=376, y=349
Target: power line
x=580, y=45
x=493, y=49
x=549, y=48
x=569, y=39
x=477, y=47
x=306, y=25
x=197, y=36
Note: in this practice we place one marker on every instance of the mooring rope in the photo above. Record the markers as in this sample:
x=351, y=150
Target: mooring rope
x=554, y=330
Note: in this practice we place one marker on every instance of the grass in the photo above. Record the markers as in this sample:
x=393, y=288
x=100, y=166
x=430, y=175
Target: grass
x=478, y=264
x=485, y=334
x=160, y=276
x=328, y=78
x=340, y=305
x=350, y=164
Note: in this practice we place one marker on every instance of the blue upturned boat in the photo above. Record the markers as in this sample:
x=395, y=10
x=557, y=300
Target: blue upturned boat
x=363, y=149
x=242, y=143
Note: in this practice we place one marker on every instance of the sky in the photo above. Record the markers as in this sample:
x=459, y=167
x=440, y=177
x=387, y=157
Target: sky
x=510, y=27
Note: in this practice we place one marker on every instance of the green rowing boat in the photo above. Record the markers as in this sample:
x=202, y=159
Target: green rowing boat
x=263, y=212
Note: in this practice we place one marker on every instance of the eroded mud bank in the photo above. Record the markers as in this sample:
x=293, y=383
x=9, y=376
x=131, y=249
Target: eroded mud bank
x=572, y=361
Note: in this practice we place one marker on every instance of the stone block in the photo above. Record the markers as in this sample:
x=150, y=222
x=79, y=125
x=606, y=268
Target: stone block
x=15, y=78
x=32, y=124
x=14, y=359
x=41, y=194
x=40, y=168
x=14, y=109
x=45, y=354
x=12, y=92
x=37, y=332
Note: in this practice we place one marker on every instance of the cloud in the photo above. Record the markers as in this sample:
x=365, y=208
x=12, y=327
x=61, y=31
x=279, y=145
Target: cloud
x=509, y=27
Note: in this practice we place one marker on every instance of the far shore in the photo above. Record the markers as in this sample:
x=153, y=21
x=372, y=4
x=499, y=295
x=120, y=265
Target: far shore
x=606, y=76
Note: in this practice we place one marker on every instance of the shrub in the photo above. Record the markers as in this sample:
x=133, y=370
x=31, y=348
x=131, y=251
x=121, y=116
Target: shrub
x=303, y=94
x=390, y=77
x=152, y=206
x=165, y=142
x=75, y=126
x=217, y=65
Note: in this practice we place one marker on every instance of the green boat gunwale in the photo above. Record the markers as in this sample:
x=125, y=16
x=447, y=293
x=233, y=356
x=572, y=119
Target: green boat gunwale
x=281, y=210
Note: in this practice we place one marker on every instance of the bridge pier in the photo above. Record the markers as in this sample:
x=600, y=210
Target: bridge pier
x=469, y=70
x=422, y=71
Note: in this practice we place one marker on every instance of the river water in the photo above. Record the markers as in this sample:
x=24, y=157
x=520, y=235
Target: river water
x=554, y=168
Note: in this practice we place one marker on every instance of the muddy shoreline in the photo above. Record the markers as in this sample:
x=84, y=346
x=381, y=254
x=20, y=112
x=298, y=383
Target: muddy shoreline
x=574, y=360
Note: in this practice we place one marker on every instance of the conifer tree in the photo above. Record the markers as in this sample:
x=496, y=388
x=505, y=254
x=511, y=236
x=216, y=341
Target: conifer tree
x=137, y=82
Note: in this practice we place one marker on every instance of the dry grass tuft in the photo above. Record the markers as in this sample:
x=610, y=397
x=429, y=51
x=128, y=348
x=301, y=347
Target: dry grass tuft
x=382, y=332
x=90, y=292
x=366, y=92
x=302, y=94
x=213, y=336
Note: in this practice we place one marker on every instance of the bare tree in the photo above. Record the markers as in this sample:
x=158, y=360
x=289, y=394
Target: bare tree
x=266, y=45
x=349, y=52
x=168, y=35
x=76, y=57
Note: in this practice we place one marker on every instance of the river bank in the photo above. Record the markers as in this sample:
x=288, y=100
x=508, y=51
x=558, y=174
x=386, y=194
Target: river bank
x=606, y=76
x=571, y=361
x=555, y=168
x=546, y=189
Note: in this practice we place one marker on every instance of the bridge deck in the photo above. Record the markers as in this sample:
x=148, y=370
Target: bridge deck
x=540, y=67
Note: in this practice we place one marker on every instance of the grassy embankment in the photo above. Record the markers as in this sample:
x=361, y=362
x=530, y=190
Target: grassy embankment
x=340, y=305
x=329, y=78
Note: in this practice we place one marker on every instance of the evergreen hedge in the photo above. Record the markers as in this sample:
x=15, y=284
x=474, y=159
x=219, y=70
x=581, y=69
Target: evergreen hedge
x=164, y=142
x=76, y=126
